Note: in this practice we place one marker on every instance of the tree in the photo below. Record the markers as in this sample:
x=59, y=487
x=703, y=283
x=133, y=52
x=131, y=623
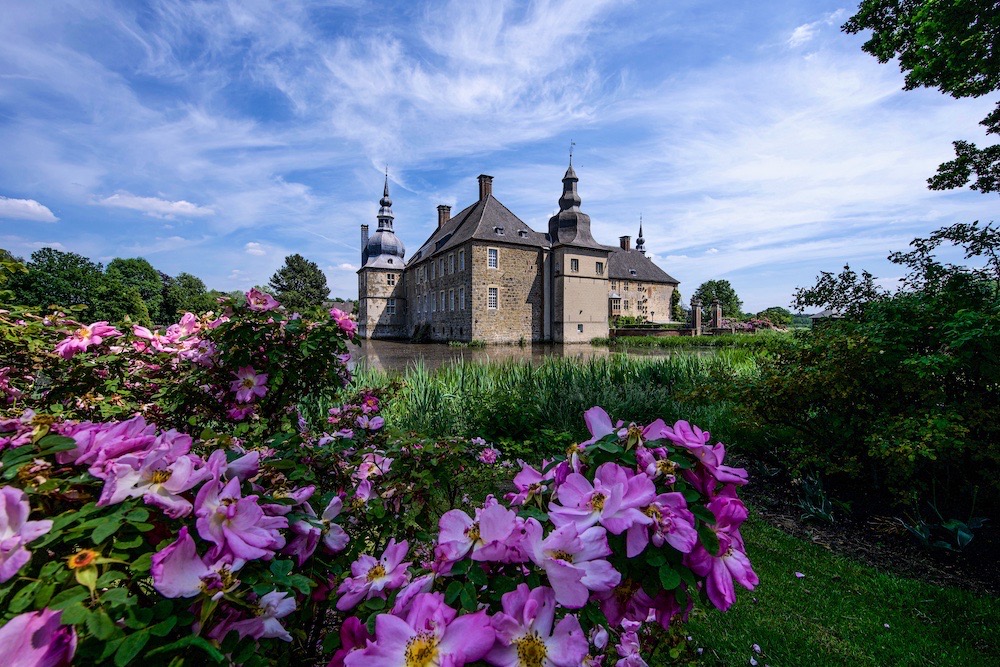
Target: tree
x=777, y=315
x=677, y=313
x=114, y=301
x=140, y=274
x=183, y=294
x=58, y=278
x=299, y=284
x=954, y=47
x=710, y=290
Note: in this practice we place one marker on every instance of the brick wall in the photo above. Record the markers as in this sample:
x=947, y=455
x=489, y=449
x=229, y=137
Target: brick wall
x=375, y=290
x=518, y=281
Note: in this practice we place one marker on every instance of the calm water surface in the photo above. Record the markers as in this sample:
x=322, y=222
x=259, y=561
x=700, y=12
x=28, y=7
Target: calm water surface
x=397, y=356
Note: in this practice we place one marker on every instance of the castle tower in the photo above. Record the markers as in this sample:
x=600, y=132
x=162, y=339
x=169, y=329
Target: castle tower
x=640, y=243
x=579, y=271
x=381, y=295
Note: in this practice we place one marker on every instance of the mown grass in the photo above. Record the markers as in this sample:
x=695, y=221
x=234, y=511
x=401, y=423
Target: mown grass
x=518, y=399
x=838, y=614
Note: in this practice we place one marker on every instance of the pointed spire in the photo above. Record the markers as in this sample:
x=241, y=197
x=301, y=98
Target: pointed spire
x=385, y=212
x=571, y=225
x=640, y=243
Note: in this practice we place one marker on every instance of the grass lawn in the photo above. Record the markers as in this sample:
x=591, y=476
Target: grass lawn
x=843, y=613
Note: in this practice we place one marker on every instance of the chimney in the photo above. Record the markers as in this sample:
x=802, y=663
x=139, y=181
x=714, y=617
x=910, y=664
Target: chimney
x=625, y=242
x=364, y=244
x=485, y=186
x=444, y=214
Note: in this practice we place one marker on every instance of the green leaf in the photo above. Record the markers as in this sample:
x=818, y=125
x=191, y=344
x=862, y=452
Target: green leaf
x=100, y=625
x=23, y=598
x=130, y=648
x=669, y=578
x=74, y=614
x=143, y=563
x=709, y=539
x=163, y=628
x=281, y=568
x=453, y=591
x=115, y=596
x=106, y=529
x=69, y=597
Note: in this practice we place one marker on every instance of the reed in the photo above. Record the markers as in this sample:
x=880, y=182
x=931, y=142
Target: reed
x=516, y=399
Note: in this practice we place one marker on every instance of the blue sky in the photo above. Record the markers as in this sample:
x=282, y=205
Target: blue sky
x=757, y=141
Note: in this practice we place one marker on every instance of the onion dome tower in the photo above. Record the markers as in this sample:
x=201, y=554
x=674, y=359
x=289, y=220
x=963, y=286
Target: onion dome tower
x=384, y=250
x=571, y=226
x=640, y=243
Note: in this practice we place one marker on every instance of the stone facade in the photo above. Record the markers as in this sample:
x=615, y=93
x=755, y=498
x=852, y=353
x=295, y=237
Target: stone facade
x=485, y=275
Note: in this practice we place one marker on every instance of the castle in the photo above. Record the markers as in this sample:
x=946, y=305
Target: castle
x=485, y=275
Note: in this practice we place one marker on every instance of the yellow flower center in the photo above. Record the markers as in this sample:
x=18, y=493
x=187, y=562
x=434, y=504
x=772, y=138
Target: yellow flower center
x=377, y=572
x=625, y=590
x=562, y=555
x=573, y=449
x=421, y=650
x=82, y=558
x=666, y=466
x=473, y=532
x=653, y=512
x=160, y=476
x=83, y=332
x=531, y=651
x=597, y=502
x=249, y=382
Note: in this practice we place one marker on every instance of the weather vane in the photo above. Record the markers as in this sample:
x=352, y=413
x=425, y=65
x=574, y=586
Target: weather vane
x=571, y=145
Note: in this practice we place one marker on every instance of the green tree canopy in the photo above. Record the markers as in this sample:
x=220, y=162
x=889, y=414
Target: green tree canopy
x=114, y=301
x=710, y=290
x=777, y=315
x=953, y=46
x=59, y=278
x=183, y=294
x=677, y=313
x=299, y=284
x=140, y=274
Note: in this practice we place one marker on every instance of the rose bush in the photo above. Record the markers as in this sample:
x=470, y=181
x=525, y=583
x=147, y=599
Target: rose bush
x=179, y=497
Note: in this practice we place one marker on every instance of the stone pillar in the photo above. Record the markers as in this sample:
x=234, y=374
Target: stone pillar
x=716, y=314
x=696, y=316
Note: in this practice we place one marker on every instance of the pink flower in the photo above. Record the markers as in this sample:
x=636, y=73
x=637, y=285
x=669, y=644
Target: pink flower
x=248, y=384
x=98, y=445
x=529, y=483
x=525, y=635
x=628, y=647
x=334, y=537
x=370, y=423
x=488, y=456
x=613, y=500
x=16, y=531
x=178, y=571
x=573, y=561
x=430, y=634
x=84, y=337
x=373, y=464
x=711, y=469
x=353, y=635
x=158, y=477
x=264, y=623
x=344, y=321
x=730, y=562
x=373, y=577
x=37, y=639
x=493, y=536
x=261, y=301
x=672, y=522
x=237, y=526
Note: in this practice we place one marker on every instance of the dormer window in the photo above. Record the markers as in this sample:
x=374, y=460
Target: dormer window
x=498, y=230
x=522, y=233
x=389, y=261
x=632, y=271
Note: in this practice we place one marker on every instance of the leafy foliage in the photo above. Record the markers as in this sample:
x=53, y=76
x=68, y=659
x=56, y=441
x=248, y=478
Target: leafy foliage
x=299, y=284
x=137, y=274
x=951, y=46
x=711, y=290
x=777, y=315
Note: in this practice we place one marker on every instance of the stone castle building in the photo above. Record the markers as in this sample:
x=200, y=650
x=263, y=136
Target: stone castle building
x=485, y=275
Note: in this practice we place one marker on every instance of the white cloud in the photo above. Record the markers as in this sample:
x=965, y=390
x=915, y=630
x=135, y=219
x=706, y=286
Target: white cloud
x=156, y=207
x=711, y=251
x=253, y=248
x=804, y=33
x=25, y=209
x=55, y=245
x=345, y=266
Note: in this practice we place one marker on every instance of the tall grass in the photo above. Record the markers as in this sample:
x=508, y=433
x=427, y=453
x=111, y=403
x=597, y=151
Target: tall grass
x=762, y=340
x=516, y=399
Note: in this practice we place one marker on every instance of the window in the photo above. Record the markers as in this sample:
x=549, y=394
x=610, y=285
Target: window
x=579, y=328
x=451, y=262
x=389, y=260
x=522, y=233
x=493, y=298
x=498, y=230
x=574, y=265
x=441, y=267
x=390, y=278
x=442, y=300
x=461, y=260
x=434, y=303
x=600, y=268
x=433, y=271
x=390, y=307
x=616, y=304
x=625, y=305
x=614, y=284
x=493, y=258
x=631, y=272
x=461, y=298
x=451, y=300
x=628, y=286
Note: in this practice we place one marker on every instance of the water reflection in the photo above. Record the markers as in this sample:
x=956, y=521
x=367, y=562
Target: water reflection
x=397, y=356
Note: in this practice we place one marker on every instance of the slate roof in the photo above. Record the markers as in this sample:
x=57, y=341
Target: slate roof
x=480, y=222
x=621, y=263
